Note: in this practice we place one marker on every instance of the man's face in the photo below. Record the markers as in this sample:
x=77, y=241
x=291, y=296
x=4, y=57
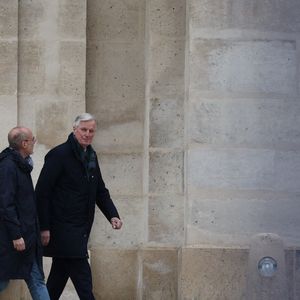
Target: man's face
x=85, y=132
x=28, y=143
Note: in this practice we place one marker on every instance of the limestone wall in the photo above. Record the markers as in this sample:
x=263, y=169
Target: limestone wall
x=198, y=138
x=242, y=121
x=8, y=66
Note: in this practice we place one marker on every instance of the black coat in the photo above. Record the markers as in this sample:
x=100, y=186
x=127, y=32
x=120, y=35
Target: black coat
x=18, y=216
x=66, y=198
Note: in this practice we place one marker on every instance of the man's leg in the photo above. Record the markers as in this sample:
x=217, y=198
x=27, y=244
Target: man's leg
x=3, y=285
x=36, y=284
x=81, y=276
x=58, y=277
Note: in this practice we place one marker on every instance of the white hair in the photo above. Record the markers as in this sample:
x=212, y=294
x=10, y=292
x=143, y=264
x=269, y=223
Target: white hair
x=83, y=117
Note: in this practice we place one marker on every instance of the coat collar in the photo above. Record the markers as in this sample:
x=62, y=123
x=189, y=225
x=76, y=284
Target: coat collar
x=17, y=158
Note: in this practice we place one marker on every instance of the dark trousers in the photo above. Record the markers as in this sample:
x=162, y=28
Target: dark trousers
x=78, y=269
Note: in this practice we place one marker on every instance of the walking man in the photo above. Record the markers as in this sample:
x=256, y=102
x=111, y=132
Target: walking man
x=68, y=188
x=20, y=242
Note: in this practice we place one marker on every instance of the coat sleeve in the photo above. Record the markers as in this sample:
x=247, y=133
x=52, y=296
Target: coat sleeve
x=45, y=186
x=104, y=201
x=8, y=207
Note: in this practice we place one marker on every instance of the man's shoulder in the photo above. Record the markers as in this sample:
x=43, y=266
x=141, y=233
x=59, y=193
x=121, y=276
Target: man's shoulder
x=7, y=157
x=59, y=150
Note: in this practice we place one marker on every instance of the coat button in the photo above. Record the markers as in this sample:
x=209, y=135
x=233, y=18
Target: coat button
x=85, y=235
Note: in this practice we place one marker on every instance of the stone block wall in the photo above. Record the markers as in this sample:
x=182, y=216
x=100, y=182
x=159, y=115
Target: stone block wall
x=8, y=66
x=198, y=138
x=242, y=130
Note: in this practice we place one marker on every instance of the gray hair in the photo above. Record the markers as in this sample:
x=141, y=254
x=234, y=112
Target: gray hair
x=83, y=117
x=16, y=136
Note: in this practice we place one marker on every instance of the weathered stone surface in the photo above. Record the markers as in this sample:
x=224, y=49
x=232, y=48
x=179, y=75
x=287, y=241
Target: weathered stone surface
x=122, y=173
x=213, y=274
x=8, y=108
x=245, y=122
x=287, y=170
x=244, y=66
x=8, y=67
x=8, y=19
x=166, y=172
x=124, y=137
x=32, y=67
x=166, y=219
x=160, y=273
x=132, y=233
x=167, y=17
x=230, y=218
x=32, y=15
x=243, y=169
x=115, y=273
x=115, y=20
x=72, y=69
x=60, y=127
x=51, y=81
x=166, y=67
x=233, y=168
x=115, y=91
x=72, y=19
x=166, y=122
x=117, y=82
x=281, y=16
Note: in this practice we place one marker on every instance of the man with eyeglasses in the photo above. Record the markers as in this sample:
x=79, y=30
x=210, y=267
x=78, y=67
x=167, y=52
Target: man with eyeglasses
x=20, y=241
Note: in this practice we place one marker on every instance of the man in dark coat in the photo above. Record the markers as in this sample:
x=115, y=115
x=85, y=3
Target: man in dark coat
x=68, y=188
x=20, y=242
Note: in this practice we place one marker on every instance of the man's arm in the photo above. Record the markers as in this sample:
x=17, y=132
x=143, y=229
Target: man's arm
x=44, y=190
x=9, y=215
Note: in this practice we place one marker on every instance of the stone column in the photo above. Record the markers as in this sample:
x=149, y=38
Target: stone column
x=52, y=50
x=115, y=95
x=8, y=67
x=164, y=138
x=8, y=94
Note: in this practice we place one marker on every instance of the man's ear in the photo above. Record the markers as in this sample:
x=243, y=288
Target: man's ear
x=24, y=144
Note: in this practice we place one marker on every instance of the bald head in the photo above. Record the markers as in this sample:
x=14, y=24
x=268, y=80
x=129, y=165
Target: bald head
x=17, y=135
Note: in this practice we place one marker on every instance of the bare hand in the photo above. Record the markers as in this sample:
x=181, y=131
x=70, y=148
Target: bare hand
x=116, y=223
x=19, y=244
x=45, y=237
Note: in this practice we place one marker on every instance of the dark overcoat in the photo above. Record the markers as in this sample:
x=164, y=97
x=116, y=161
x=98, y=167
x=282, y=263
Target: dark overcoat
x=18, y=216
x=66, y=197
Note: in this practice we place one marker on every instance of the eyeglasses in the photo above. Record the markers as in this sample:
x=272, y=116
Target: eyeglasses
x=33, y=140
